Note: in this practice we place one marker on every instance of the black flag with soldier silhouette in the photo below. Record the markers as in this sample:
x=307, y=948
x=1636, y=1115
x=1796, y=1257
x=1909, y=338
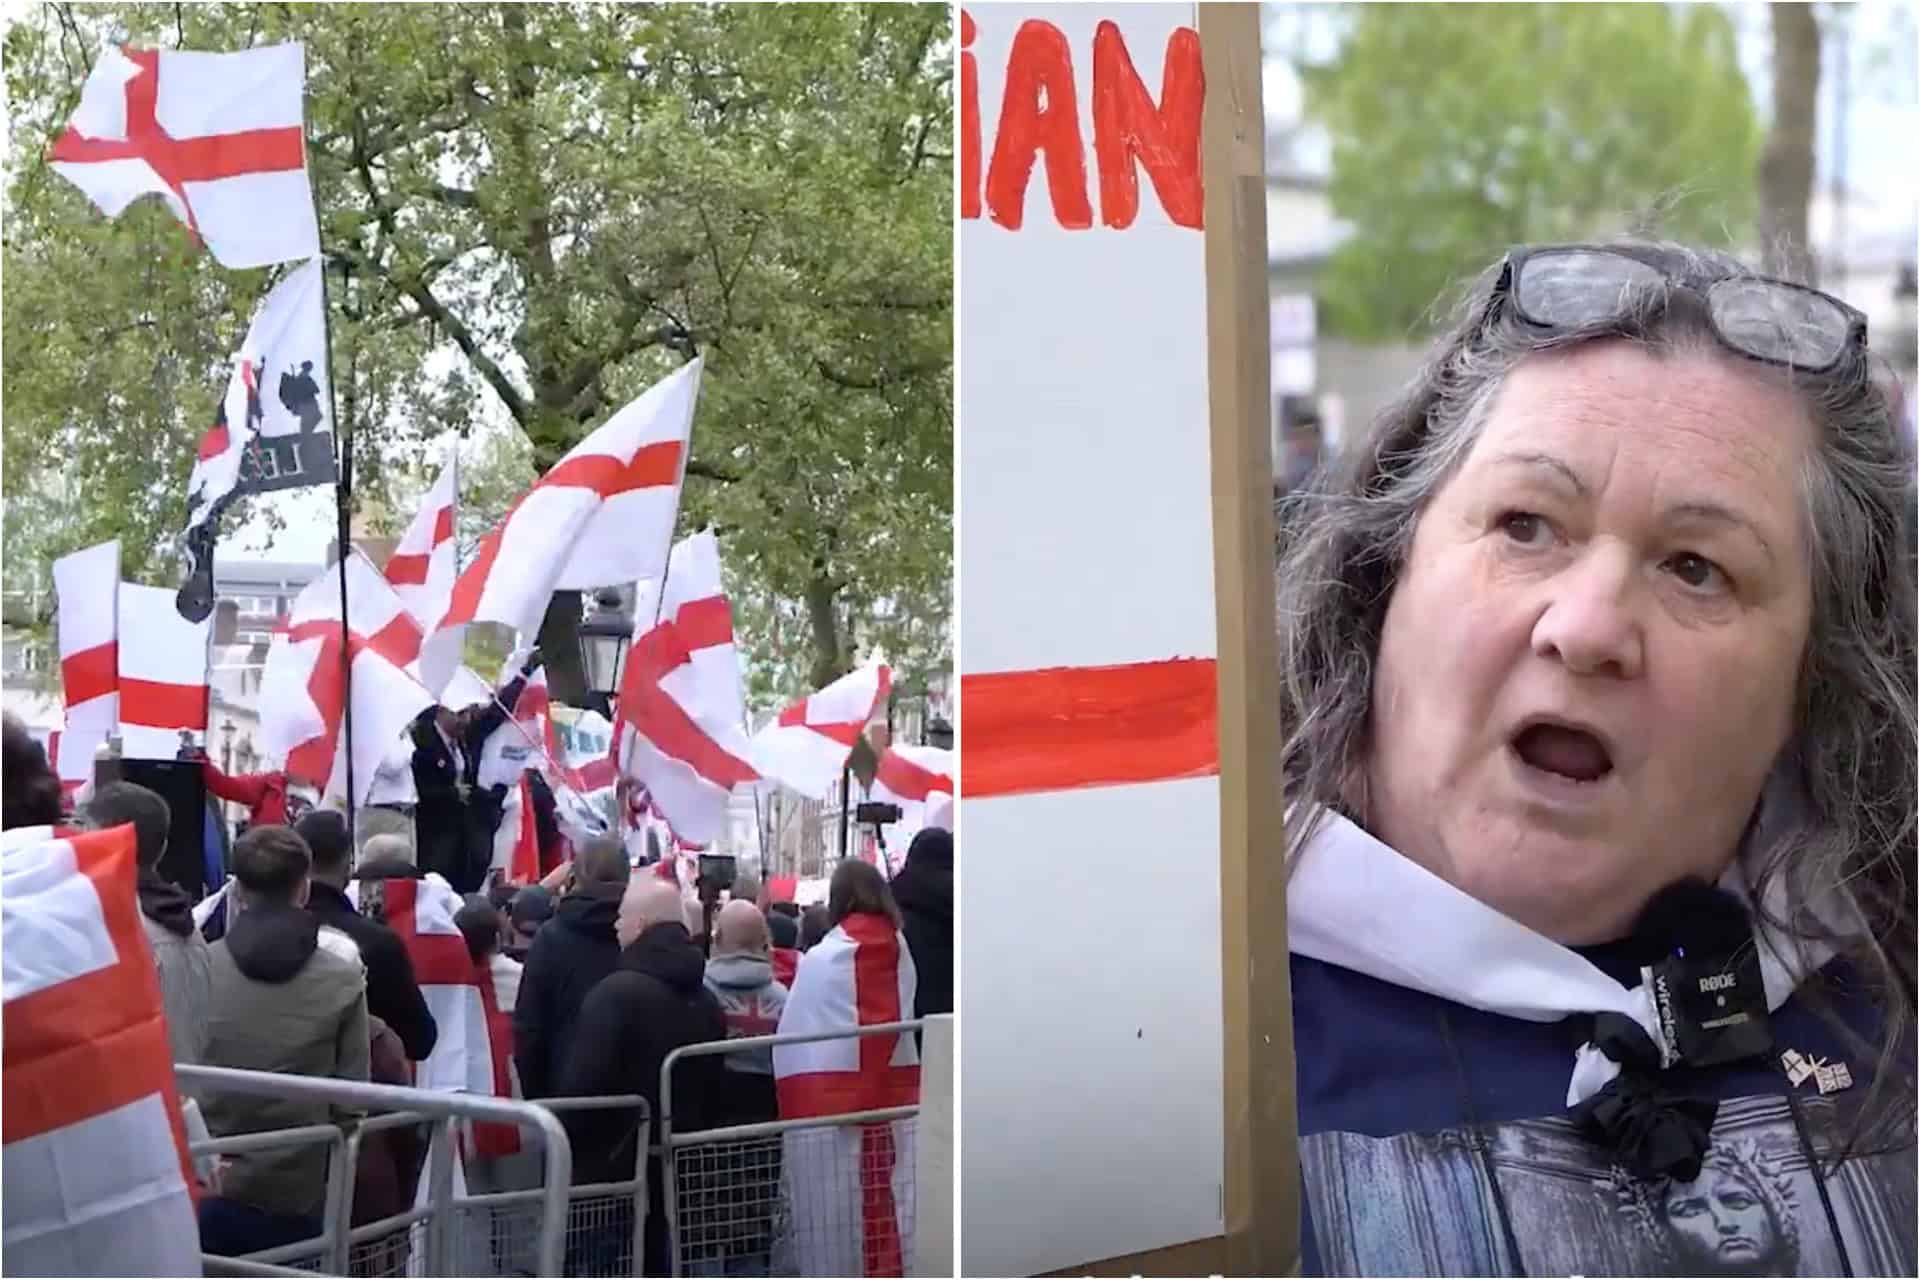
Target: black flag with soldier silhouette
x=272, y=429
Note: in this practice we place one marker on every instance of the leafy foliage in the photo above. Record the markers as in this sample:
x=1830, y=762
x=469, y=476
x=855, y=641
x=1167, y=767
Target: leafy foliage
x=536, y=211
x=1461, y=130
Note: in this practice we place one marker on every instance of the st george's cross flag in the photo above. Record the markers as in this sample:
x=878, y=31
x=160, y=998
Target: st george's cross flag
x=849, y=1185
x=603, y=515
x=681, y=710
x=303, y=691
x=918, y=780
x=218, y=136
x=87, y=587
x=274, y=390
x=421, y=913
x=163, y=675
x=95, y=1156
x=806, y=746
x=423, y=562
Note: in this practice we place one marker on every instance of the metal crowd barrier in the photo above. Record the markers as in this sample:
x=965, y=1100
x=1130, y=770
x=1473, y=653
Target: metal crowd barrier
x=549, y=1228
x=788, y=1197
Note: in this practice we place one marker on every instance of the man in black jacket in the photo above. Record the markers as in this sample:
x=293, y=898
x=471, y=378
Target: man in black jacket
x=570, y=954
x=393, y=994
x=655, y=1001
x=455, y=820
x=924, y=892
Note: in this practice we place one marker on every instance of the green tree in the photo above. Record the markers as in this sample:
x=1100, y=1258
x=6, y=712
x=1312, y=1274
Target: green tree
x=536, y=211
x=1461, y=130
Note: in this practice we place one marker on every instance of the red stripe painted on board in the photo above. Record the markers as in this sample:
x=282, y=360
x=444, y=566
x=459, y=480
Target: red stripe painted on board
x=1062, y=728
x=164, y=706
x=90, y=673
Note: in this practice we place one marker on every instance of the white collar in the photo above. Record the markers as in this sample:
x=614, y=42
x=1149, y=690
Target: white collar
x=1355, y=902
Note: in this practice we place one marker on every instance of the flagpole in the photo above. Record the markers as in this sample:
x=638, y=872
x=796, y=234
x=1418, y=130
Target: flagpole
x=343, y=500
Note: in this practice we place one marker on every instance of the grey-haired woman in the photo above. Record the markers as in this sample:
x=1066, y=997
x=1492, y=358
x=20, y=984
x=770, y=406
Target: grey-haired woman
x=1599, y=691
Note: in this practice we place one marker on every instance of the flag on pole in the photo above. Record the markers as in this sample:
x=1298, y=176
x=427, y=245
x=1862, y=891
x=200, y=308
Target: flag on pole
x=422, y=566
x=849, y=1183
x=680, y=697
x=604, y=514
x=421, y=912
x=218, y=136
x=96, y=1171
x=806, y=746
x=273, y=392
x=303, y=690
x=87, y=587
x=163, y=676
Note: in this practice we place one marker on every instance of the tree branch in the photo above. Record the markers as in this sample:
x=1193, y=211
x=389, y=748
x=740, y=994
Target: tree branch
x=416, y=288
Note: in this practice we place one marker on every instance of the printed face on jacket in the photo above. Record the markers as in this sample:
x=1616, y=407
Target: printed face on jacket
x=1588, y=666
x=1721, y=1223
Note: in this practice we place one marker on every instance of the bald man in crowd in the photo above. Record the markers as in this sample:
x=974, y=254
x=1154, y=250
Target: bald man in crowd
x=652, y=1003
x=740, y=975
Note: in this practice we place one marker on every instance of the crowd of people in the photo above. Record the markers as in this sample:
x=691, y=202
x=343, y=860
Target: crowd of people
x=594, y=976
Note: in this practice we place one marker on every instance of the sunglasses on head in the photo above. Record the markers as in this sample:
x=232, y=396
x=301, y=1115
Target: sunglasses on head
x=1561, y=288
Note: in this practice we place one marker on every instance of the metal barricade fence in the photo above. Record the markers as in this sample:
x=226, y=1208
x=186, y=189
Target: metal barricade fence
x=823, y=1196
x=546, y=1228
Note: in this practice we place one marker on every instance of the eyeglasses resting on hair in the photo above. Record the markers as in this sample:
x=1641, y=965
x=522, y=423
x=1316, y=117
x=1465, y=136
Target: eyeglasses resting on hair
x=1567, y=287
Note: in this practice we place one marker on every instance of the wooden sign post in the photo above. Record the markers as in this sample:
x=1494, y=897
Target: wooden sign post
x=1126, y=1060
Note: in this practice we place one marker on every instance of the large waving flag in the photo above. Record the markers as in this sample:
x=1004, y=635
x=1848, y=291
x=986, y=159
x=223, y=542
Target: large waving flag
x=303, y=692
x=218, y=136
x=920, y=781
x=848, y=1185
x=422, y=566
x=807, y=745
x=285, y=346
x=680, y=698
x=604, y=514
x=96, y=1171
x=163, y=675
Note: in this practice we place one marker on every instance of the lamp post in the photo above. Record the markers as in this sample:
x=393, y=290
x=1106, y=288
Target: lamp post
x=604, y=636
x=227, y=731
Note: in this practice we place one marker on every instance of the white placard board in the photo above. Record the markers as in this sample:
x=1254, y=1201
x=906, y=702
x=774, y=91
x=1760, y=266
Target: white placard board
x=1091, y=1049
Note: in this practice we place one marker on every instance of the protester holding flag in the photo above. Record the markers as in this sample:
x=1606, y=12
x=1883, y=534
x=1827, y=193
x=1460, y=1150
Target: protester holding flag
x=268, y=796
x=455, y=818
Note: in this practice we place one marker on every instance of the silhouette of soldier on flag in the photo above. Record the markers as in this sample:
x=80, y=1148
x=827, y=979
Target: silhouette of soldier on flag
x=301, y=395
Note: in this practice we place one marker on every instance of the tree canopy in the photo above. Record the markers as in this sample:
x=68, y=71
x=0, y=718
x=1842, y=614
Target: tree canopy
x=1461, y=130
x=532, y=213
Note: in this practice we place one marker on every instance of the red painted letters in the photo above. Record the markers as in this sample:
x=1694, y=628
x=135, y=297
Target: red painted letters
x=1040, y=116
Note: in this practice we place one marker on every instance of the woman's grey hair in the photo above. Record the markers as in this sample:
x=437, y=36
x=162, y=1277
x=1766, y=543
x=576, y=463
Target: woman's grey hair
x=1848, y=775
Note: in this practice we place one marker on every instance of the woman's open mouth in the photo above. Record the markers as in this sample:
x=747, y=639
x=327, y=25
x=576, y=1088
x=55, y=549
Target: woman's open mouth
x=1563, y=750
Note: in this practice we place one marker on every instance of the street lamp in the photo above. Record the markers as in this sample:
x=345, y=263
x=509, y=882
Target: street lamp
x=604, y=637
x=227, y=731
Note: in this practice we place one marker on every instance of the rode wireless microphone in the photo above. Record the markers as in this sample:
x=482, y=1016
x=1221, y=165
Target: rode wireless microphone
x=1704, y=968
